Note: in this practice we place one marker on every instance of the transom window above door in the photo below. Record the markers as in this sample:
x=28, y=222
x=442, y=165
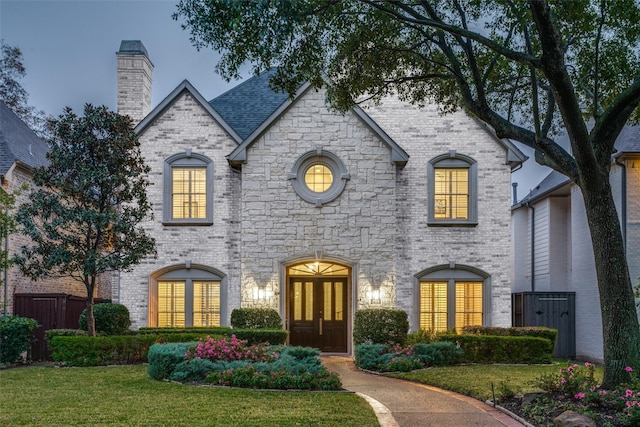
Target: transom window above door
x=318, y=268
x=188, y=190
x=319, y=176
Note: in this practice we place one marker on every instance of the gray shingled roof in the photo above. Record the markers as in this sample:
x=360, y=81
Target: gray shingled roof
x=18, y=143
x=248, y=105
x=628, y=142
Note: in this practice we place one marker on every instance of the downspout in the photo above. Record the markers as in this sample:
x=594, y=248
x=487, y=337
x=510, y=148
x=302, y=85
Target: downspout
x=533, y=247
x=623, y=201
x=6, y=267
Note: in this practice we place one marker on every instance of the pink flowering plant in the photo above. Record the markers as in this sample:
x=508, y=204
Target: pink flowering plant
x=577, y=384
x=223, y=349
x=232, y=362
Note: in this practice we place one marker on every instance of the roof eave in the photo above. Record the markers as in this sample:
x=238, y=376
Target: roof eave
x=170, y=99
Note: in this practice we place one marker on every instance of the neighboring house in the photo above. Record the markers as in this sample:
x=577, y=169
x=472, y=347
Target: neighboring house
x=552, y=244
x=21, y=151
x=262, y=200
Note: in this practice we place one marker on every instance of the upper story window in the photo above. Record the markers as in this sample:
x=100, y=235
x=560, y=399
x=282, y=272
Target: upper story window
x=319, y=176
x=188, y=189
x=453, y=182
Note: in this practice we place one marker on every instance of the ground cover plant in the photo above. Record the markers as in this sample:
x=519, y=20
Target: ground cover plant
x=126, y=395
x=399, y=358
x=233, y=362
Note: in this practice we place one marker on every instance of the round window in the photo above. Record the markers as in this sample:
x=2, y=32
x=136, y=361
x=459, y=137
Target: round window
x=318, y=178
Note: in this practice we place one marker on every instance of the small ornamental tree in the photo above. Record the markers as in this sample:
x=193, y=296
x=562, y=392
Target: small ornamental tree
x=83, y=216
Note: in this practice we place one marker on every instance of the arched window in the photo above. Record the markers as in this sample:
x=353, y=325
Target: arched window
x=319, y=176
x=188, y=189
x=452, y=296
x=453, y=190
x=187, y=295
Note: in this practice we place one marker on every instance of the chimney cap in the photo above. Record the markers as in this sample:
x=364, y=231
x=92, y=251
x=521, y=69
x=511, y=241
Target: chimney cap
x=132, y=47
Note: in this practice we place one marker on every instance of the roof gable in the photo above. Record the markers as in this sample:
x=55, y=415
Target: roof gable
x=398, y=155
x=18, y=143
x=182, y=88
x=249, y=104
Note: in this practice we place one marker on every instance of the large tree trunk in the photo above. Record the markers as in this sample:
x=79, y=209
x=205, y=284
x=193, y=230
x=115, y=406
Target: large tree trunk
x=621, y=333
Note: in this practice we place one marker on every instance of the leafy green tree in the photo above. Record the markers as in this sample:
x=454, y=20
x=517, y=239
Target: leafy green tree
x=83, y=216
x=527, y=68
x=14, y=95
x=7, y=226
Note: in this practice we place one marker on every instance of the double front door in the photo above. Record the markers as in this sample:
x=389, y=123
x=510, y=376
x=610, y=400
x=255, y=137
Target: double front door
x=318, y=313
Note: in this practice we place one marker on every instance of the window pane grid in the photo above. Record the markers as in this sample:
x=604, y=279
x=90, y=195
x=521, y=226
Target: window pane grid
x=171, y=301
x=433, y=306
x=206, y=303
x=468, y=304
x=451, y=193
x=189, y=196
x=318, y=178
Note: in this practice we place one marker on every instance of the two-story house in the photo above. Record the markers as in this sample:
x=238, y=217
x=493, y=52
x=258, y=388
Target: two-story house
x=263, y=200
x=552, y=247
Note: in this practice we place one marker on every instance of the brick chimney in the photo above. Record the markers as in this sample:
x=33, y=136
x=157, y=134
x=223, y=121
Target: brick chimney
x=134, y=80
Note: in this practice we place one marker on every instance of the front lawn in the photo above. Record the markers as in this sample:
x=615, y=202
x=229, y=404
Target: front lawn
x=476, y=380
x=126, y=395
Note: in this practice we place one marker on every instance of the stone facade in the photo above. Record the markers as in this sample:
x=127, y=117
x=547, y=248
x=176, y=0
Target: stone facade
x=376, y=228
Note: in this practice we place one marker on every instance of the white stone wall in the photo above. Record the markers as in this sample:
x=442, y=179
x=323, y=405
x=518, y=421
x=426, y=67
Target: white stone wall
x=187, y=125
x=425, y=134
x=360, y=226
x=134, y=85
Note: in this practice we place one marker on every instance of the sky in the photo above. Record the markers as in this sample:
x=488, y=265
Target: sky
x=69, y=51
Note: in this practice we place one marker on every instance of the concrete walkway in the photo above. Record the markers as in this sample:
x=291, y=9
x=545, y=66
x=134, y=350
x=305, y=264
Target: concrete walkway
x=400, y=403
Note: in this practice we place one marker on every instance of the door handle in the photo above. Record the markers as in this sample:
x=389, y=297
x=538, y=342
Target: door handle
x=320, y=325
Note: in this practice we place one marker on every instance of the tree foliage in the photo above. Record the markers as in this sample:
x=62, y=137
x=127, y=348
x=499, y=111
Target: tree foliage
x=14, y=95
x=527, y=68
x=83, y=216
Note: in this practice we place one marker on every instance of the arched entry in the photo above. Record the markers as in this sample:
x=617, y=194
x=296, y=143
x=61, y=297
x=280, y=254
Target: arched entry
x=317, y=305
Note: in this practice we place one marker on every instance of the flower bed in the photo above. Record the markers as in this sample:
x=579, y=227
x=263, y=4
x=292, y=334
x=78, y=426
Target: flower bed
x=575, y=388
x=232, y=362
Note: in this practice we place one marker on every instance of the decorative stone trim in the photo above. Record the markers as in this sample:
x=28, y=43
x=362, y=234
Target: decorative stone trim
x=324, y=158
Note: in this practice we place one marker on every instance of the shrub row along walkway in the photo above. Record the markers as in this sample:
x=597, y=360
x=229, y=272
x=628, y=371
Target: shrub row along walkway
x=400, y=403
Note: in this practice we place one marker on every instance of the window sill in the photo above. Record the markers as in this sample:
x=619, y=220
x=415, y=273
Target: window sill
x=452, y=224
x=188, y=223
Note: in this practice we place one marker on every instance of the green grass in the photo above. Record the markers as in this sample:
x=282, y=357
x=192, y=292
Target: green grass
x=127, y=396
x=476, y=380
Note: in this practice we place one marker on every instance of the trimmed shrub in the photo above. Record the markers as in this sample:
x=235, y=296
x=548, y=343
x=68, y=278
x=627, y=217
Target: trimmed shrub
x=252, y=336
x=367, y=356
x=506, y=349
x=163, y=358
x=380, y=326
x=438, y=353
x=16, y=336
x=50, y=333
x=383, y=358
x=524, y=331
x=110, y=350
x=255, y=318
x=111, y=319
x=261, y=336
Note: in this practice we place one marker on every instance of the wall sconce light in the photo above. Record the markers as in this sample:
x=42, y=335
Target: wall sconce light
x=262, y=293
x=374, y=297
